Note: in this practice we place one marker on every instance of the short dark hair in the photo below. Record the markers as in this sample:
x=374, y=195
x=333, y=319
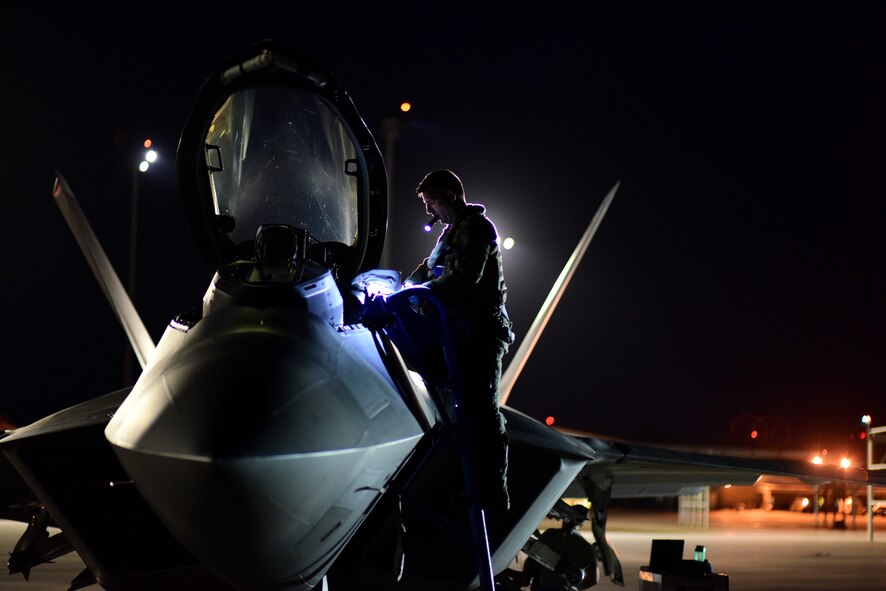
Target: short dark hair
x=442, y=179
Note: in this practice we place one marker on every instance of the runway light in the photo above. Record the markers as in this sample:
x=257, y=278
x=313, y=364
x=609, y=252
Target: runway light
x=549, y=421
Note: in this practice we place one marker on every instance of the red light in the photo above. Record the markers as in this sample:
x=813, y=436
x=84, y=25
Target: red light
x=549, y=421
x=753, y=434
x=862, y=435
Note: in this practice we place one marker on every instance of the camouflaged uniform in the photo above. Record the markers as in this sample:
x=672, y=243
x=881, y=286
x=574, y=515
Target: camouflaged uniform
x=465, y=271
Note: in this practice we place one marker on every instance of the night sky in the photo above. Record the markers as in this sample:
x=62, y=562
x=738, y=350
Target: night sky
x=735, y=283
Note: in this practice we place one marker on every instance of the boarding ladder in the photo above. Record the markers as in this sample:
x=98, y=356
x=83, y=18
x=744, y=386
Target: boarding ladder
x=417, y=322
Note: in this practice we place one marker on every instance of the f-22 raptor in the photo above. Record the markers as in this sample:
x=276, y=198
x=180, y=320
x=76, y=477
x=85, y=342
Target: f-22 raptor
x=283, y=433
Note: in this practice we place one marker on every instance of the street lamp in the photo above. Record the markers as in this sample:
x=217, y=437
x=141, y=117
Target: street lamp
x=148, y=157
x=390, y=131
x=866, y=421
x=144, y=160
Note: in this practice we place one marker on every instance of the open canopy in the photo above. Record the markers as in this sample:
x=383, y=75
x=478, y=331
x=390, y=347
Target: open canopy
x=274, y=139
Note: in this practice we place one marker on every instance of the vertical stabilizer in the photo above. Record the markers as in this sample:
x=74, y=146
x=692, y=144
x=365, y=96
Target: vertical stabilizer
x=550, y=303
x=132, y=323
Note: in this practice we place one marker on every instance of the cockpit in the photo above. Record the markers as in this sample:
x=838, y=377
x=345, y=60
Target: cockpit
x=274, y=140
x=283, y=155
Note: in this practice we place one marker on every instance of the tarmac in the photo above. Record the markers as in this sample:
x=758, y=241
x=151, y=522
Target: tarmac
x=759, y=550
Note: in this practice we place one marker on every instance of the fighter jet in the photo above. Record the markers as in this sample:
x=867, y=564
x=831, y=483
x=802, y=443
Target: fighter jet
x=287, y=432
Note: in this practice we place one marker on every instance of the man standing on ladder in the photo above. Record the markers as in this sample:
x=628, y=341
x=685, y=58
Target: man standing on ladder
x=465, y=271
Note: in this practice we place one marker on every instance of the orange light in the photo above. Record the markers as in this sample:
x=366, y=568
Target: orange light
x=845, y=463
x=148, y=143
x=405, y=107
x=817, y=460
x=549, y=421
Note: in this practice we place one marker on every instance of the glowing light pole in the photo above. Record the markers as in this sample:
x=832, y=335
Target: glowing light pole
x=147, y=158
x=816, y=497
x=866, y=421
x=390, y=130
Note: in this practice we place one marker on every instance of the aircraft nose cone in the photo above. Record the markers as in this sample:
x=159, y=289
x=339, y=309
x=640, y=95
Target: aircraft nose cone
x=261, y=442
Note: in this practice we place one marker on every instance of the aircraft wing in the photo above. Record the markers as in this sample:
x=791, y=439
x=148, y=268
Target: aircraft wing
x=518, y=361
x=139, y=338
x=646, y=471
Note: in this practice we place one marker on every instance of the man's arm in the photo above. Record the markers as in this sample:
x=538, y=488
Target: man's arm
x=420, y=275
